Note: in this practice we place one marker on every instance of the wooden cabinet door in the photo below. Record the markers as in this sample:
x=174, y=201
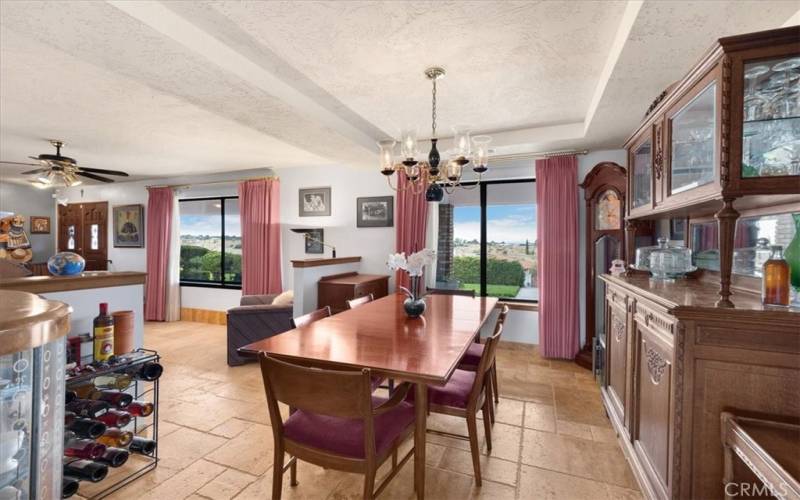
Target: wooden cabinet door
x=653, y=412
x=617, y=360
x=83, y=229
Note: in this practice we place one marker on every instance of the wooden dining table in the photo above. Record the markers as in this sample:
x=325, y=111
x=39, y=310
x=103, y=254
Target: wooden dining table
x=379, y=336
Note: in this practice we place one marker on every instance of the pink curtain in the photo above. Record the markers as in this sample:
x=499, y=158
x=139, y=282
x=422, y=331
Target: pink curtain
x=158, y=232
x=557, y=235
x=259, y=208
x=412, y=220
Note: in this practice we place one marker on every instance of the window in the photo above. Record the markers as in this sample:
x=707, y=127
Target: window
x=211, y=242
x=487, y=240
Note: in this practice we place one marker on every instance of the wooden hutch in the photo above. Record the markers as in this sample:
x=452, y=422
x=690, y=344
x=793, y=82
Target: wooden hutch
x=720, y=153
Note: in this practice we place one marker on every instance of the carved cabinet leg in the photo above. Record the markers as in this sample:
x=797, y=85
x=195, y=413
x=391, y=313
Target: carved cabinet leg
x=726, y=222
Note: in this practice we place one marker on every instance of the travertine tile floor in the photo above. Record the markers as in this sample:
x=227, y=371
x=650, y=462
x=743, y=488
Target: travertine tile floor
x=552, y=439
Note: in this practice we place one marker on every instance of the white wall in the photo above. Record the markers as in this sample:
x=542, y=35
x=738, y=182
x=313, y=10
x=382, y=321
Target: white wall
x=27, y=201
x=346, y=183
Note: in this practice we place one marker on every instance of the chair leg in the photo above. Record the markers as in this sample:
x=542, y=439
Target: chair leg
x=277, y=474
x=369, y=485
x=495, y=390
x=293, y=473
x=472, y=428
x=488, y=396
x=391, y=387
x=487, y=426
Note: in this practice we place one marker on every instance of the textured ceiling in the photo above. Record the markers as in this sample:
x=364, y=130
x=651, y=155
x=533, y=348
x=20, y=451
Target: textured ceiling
x=175, y=88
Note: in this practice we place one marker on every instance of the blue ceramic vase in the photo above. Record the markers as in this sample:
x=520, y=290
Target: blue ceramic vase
x=65, y=264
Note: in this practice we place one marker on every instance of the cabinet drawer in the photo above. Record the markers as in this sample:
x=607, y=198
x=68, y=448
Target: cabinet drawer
x=617, y=296
x=378, y=288
x=654, y=317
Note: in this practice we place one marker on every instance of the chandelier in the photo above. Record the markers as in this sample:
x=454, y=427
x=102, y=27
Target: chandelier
x=438, y=174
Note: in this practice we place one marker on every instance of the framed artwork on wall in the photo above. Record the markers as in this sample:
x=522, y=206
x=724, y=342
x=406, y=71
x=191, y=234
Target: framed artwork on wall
x=40, y=224
x=315, y=202
x=129, y=226
x=314, y=240
x=375, y=211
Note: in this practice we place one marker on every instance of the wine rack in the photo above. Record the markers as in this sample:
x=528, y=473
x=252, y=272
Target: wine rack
x=138, y=463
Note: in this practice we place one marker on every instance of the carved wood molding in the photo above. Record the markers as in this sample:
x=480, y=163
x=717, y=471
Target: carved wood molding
x=656, y=364
x=658, y=158
x=618, y=328
x=724, y=148
x=678, y=374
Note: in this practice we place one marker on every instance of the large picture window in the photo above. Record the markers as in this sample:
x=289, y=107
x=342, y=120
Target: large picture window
x=487, y=240
x=211, y=242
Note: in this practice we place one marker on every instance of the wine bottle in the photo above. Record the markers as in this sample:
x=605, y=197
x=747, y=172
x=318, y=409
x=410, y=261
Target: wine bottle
x=114, y=398
x=87, y=428
x=103, y=334
x=88, y=407
x=140, y=408
x=148, y=372
x=142, y=446
x=69, y=417
x=114, y=457
x=115, y=418
x=87, y=470
x=69, y=486
x=115, y=437
x=112, y=381
x=82, y=448
x=70, y=396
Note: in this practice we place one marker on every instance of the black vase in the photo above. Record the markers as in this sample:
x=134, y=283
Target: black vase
x=414, y=307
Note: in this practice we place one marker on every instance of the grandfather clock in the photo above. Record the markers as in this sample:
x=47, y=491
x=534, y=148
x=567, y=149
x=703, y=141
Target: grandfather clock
x=604, y=195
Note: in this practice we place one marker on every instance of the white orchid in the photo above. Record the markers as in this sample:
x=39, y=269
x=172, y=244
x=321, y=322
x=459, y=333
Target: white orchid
x=396, y=261
x=413, y=264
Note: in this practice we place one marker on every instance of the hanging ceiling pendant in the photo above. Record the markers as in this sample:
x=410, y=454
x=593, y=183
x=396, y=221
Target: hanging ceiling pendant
x=435, y=176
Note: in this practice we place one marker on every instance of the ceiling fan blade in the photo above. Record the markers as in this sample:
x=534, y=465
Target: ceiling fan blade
x=102, y=171
x=18, y=163
x=93, y=176
x=36, y=171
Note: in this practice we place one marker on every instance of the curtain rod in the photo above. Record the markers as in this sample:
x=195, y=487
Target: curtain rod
x=208, y=183
x=541, y=154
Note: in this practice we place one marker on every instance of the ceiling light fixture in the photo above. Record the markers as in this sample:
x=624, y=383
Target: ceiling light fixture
x=437, y=175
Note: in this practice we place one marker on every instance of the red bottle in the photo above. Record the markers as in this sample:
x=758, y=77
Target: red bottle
x=82, y=448
x=140, y=408
x=115, y=418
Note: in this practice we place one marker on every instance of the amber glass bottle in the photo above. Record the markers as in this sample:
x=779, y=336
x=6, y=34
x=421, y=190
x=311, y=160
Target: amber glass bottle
x=103, y=334
x=775, y=283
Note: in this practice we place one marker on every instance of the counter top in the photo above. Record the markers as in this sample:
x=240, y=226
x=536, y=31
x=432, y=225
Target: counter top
x=687, y=294
x=85, y=280
x=324, y=262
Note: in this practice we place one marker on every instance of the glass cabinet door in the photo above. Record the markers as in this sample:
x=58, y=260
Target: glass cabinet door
x=642, y=166
x=692, y=146
x=771, y=129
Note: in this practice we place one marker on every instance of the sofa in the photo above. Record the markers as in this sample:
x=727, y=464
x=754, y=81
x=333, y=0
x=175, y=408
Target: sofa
x=258, y=317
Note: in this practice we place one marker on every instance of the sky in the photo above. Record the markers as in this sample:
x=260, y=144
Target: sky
x=507, y=223
x=201, y=225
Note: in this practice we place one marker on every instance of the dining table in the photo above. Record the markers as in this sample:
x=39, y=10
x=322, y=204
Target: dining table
x=380, y=336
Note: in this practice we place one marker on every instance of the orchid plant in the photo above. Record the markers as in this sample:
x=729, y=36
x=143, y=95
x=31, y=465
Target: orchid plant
x=413, y=265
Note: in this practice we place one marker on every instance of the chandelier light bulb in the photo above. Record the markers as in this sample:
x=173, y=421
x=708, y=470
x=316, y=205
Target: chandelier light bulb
x=480, y=153
x=387, y=156
x=409, y=144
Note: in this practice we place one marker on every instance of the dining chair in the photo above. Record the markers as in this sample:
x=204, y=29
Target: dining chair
x=464, y=394
x=472, y=359
x=451, y=291
x=360, y=301
x=311, y=317
x=337, y=423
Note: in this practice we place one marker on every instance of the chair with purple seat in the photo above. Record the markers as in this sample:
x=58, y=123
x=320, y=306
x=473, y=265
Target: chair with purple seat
x=464, y=394
x=335, y=422
x=473, y=356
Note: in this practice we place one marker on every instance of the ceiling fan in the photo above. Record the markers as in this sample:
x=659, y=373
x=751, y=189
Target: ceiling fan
x=57, y=171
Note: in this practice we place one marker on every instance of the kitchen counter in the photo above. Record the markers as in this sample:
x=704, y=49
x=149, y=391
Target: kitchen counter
x=85, y=280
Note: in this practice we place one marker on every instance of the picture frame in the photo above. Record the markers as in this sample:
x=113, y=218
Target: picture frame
x=314, y=202
x=128, y=226
x=375, y=211
x=40, y=224
x=314, y=240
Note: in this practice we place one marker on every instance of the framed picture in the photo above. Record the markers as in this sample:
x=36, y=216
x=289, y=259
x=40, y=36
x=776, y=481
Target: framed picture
x=375, y=211
x=40, y=224
x=315, y=202
x=677, y=229
x=129, y=226
x=314, y=240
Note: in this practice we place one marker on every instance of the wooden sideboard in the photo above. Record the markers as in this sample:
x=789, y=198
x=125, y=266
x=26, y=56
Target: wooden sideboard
x=336, y=290
x=675, y=362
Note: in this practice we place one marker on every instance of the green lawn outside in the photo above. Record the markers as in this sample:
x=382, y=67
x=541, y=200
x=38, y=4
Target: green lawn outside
x=501, y=291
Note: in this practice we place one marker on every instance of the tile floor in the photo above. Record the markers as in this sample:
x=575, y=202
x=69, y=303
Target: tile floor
x=551, y=440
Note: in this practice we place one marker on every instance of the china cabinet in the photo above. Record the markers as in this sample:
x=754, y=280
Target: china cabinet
x=718, y=152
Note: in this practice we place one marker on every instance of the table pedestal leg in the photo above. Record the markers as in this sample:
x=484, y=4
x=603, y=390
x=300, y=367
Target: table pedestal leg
x=421, y=406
